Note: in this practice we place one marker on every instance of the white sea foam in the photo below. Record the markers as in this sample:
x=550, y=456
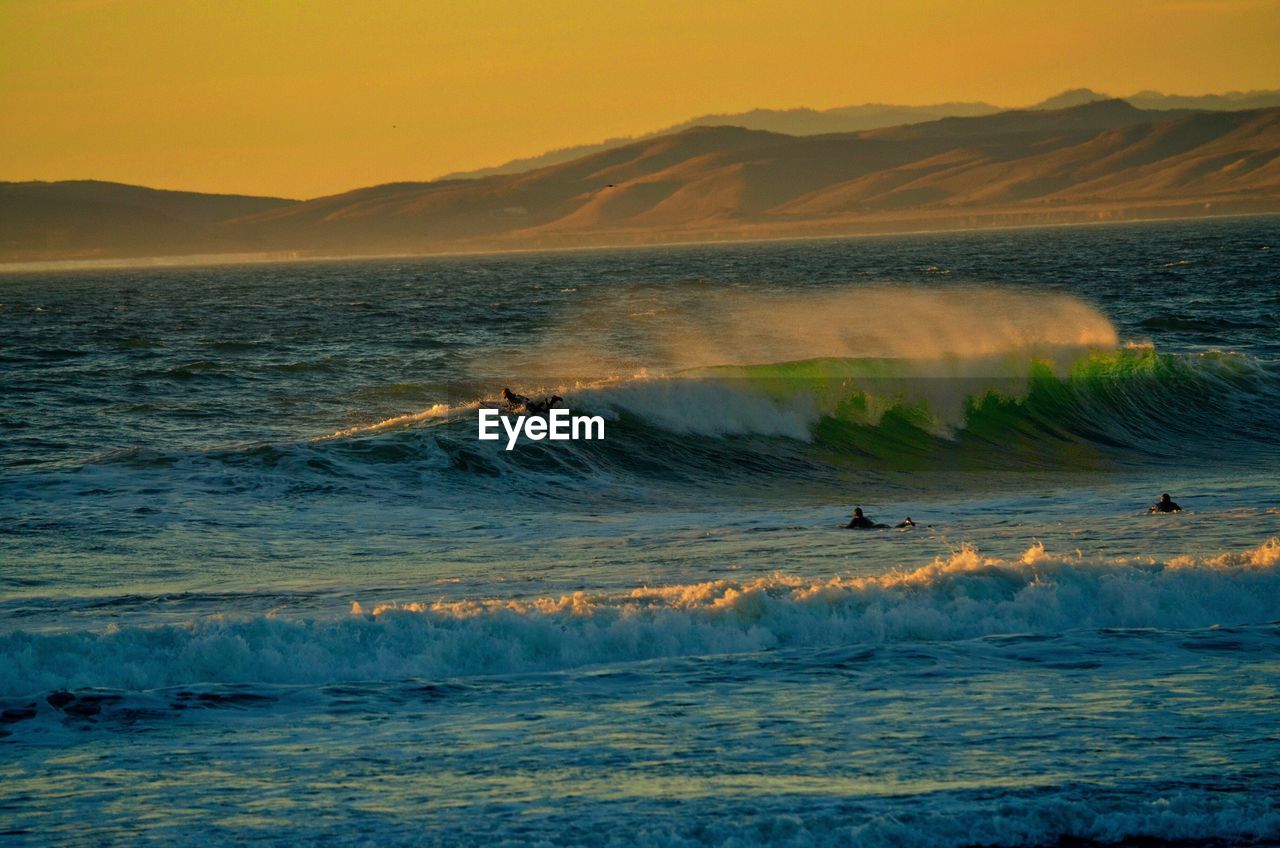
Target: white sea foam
x=434, y=412
x=964, y=596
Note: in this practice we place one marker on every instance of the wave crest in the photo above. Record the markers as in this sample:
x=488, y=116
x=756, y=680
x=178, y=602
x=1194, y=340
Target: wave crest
x=966, y=595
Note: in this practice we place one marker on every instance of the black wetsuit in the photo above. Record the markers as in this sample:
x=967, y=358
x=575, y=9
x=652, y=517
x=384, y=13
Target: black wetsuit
x=861, y=522
x=1165, y=506
x=538, y=407
x=514, y=401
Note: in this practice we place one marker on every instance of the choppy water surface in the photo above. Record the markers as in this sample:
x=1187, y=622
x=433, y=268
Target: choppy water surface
x=259, y=581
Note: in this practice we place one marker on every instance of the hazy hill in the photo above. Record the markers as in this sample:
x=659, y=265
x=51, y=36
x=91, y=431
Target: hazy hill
x=1104, y=160
x=1230, y=102
x=88, y=218
x=871, y=116
x=842, y=119
x=1074, y=97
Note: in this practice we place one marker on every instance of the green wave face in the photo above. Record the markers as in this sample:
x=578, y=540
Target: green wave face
x=799, y=429
x=1129, y=404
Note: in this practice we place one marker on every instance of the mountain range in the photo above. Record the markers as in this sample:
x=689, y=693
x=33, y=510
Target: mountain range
x=871, y=116
x=1100, y=160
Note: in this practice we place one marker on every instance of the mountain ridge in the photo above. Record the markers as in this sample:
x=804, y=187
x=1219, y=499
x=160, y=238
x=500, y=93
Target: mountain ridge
x=805, y=121
x=1102, y=160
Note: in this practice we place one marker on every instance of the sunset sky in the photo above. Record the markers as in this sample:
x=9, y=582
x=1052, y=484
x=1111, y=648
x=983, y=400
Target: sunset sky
x=303, y=99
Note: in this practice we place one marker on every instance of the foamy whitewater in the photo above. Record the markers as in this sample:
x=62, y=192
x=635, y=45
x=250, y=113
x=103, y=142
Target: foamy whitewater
x=260, y=582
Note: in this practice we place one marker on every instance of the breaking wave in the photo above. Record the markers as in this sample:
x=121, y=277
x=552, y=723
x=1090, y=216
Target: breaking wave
x=760, y=393
x=786, y=431
x=965, y=596
x=814, y=418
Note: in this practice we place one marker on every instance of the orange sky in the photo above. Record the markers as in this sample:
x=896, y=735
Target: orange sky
x=307, y=98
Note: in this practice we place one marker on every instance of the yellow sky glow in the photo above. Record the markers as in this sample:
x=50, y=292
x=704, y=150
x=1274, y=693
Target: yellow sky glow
x=301, y=99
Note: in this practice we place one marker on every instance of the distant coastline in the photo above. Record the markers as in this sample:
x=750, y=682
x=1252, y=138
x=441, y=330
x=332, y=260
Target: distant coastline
x=1100, y=161
x=213, y=260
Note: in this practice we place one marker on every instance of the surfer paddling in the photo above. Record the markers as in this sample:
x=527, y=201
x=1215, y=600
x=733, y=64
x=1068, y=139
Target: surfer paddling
x=512, y=400
x=1165, y=504
x=520, y=403
x=861, y=522
x=538, y=407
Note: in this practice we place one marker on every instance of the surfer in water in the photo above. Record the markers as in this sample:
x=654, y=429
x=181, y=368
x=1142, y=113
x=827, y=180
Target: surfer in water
x=537, y=407
x=513, y=400
x=861, y=522
x=1165, y=504
x=520, y=403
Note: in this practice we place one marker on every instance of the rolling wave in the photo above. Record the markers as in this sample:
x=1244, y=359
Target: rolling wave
x=965, y=596
x=760, y=392
x=1132, y=405
x=818, y=421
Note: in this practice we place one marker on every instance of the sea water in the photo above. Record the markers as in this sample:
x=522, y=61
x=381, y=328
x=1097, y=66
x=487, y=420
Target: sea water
x=261, y=582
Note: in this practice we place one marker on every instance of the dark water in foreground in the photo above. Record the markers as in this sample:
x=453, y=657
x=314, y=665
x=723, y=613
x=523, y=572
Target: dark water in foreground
x=245, y=521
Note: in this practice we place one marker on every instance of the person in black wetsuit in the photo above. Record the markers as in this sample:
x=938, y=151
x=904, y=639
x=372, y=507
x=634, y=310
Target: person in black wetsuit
x=1165, y=504
x=513, y=400
x=861, y=522
x=520, y=403
x=537, y=407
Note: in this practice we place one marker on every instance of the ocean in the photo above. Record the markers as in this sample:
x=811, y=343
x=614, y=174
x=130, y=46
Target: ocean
x=260, y=583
